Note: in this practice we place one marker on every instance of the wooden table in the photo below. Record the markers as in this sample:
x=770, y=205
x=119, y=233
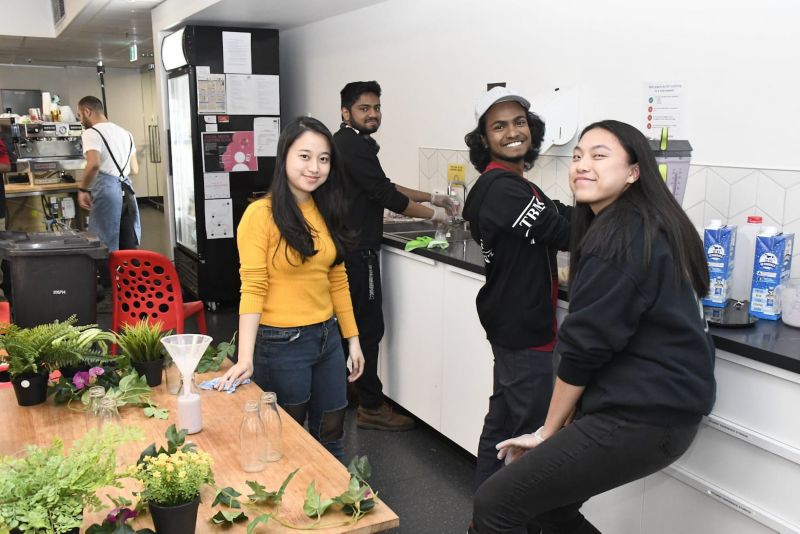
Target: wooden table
x=222, y=415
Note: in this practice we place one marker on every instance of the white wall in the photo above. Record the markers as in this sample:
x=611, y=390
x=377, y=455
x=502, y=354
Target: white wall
x=737, y=59
x=29, y=18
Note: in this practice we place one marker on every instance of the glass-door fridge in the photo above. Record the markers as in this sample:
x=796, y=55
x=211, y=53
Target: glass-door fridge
x=210, y=189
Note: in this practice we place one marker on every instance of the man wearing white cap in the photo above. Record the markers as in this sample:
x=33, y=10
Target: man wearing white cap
x=519, y=230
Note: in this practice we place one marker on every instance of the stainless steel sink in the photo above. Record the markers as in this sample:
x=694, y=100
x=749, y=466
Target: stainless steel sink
x=407, y=226
x=453, y=234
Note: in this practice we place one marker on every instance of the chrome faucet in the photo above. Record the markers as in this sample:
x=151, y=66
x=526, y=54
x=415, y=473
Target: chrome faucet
x=457, y=199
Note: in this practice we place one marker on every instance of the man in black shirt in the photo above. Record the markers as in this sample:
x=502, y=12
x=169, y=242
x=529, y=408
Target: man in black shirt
x=368, y=193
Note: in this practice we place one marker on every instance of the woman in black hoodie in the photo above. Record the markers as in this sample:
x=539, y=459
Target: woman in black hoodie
x=637, y=363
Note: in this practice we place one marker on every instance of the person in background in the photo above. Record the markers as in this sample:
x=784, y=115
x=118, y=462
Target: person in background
x=5, y=166
x=368, y=193
x=106, y=189
x=519, y=230
x=637, y=362
x=294, y=295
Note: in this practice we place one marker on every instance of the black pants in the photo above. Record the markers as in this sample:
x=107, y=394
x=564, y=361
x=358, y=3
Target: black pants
x=545, y=488
x=127, y=231
x=523, y=384
x=364, y=276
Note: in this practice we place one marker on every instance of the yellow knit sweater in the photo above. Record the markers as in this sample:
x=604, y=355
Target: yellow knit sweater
x=291, y=294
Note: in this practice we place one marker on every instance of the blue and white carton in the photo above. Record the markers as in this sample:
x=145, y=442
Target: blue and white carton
x=719, y=243
x=772, y=267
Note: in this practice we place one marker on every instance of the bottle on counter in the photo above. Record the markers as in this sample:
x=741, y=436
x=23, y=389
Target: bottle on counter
x=251, y=439
x=742, y=280
x=96, y=394
x=273, y=430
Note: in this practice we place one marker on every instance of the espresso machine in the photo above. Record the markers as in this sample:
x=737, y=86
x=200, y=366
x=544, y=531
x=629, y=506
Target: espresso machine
x=45, y=151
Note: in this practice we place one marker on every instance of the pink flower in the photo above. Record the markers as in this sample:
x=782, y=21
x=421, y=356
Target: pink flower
x=81, y=379
x=96, y=371
x=120, y=515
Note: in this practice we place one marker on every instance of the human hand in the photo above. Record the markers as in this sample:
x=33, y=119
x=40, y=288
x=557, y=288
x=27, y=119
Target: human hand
x=439, y=214
x=511, y=449
x=239, y=372
x=445, y=202
x=355, y=360
x=85, y=200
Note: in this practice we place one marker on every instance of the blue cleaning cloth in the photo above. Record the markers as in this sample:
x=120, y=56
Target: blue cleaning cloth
x=212, y=384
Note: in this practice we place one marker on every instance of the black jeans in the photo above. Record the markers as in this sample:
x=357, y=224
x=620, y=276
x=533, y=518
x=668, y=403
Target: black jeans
x=545, y=488
x=364, y=276
x=523, y=384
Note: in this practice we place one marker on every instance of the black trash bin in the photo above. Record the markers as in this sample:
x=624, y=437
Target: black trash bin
x=51, y=275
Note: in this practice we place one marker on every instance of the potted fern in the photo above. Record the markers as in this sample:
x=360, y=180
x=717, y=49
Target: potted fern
x=32, y=353
x=141, y=343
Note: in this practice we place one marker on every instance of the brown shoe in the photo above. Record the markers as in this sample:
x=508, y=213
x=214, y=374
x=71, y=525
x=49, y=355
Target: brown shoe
x=383, y=418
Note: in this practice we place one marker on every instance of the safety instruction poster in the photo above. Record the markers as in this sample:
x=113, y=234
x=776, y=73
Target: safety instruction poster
x=229, y=152
x=211, y=93
x=663, y=108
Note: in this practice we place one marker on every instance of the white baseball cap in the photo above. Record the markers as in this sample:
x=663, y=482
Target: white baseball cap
x=495, y=95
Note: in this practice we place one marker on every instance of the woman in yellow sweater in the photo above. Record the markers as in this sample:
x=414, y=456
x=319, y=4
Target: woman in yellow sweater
x=295, y=296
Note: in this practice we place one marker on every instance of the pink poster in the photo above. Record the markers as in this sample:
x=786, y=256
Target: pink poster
x=229, y=152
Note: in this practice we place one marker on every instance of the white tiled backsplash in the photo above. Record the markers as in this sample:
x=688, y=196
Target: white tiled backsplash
x=726, y=193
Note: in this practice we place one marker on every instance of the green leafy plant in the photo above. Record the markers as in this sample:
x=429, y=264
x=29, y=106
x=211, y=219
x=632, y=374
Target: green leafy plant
x=213, y=357
x=173, y=475
x=356, y=501
x=45, y=491
x=141, y=342
x=51, y=346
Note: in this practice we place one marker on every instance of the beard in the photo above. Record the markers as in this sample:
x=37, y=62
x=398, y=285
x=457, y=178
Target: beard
x=511, y=159
x=363, y=128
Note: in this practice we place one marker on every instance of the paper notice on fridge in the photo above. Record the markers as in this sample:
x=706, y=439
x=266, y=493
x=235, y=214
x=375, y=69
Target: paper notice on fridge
x=211, y=93
x=236, y=52
x=217, y=185
x=266, y=131
x=201, y=69
x=253, y=94
x=228, y=152
x=219, y=218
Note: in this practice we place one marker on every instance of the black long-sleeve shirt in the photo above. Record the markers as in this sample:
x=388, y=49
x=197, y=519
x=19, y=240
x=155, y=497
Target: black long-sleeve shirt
x=636, y=339
x=367, y=189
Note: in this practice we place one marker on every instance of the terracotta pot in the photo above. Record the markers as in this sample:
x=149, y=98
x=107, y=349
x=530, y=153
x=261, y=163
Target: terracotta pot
x=178, y=519
x=30, y=388
x=151, y=370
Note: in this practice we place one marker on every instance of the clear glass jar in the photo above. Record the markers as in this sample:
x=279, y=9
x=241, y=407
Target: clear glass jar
x=251, y=439
x=175, y=380
x=108, y=414
x=271, y=419
x=96, y=394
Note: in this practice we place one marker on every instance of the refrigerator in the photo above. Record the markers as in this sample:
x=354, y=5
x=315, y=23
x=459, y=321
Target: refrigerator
x=224, y=119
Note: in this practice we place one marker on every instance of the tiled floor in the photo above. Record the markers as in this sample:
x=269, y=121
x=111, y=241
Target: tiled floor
x=423, y=477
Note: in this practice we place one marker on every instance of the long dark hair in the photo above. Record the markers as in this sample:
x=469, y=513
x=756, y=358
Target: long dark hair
x=329, y=197
x=479, y=153
x=646, y=202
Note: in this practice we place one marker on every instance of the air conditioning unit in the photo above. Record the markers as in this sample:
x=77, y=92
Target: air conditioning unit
x=58, y=10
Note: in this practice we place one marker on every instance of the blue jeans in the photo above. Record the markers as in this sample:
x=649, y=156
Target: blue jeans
x=305, y=366
x=106, y=216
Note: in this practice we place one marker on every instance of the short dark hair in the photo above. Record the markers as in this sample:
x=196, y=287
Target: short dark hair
x=93, y=103
x=353, y=90
x=479, y=153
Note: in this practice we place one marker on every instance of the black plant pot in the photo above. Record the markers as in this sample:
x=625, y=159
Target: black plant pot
x=5, y=376
x=30, y=388
x=179, y=519
x=70, y=371
x=151, y=370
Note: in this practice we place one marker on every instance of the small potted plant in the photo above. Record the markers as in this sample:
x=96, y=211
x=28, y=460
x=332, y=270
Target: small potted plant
x=32, y=353
x=141, y=343
x=46, y=491
x=172, y=479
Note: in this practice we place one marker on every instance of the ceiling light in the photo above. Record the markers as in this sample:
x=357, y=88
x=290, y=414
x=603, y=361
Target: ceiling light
x=133, y=52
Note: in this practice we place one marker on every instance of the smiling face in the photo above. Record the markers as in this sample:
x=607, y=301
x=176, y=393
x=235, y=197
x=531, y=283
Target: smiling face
x=508, y=135
x=600, y=170
x=308, y=164
x=365, y=115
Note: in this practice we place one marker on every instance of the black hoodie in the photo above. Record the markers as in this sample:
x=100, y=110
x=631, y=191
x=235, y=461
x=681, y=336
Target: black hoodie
x=519, y=229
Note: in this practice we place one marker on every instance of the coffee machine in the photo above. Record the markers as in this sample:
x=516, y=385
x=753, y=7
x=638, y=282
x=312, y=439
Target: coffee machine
x=45, y=151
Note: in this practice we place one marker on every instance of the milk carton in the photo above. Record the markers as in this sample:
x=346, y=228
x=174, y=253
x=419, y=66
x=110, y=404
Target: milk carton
x=719, y=243
x=771, y=267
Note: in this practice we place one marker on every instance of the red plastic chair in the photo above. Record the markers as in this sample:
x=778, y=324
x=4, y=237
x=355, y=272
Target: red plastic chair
x=145, y=285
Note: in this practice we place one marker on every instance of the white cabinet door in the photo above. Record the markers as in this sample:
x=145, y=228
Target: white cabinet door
x=410, y=363
x=466, y=360
x=618, y=510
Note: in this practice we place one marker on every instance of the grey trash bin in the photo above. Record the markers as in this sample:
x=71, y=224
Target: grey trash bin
x=52, y=275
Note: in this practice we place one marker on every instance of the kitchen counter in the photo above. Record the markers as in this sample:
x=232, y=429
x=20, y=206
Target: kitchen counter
x=770, y=342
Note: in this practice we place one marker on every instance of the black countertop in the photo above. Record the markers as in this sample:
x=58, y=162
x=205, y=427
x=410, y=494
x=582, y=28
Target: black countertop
x=770, y=342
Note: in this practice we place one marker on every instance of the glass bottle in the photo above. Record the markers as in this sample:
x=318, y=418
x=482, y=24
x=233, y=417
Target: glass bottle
x=108, y=413
x=96, y=394
x=271, y=419
x=251, y=438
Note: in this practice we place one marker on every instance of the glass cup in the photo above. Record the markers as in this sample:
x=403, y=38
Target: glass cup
x=55, y=114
